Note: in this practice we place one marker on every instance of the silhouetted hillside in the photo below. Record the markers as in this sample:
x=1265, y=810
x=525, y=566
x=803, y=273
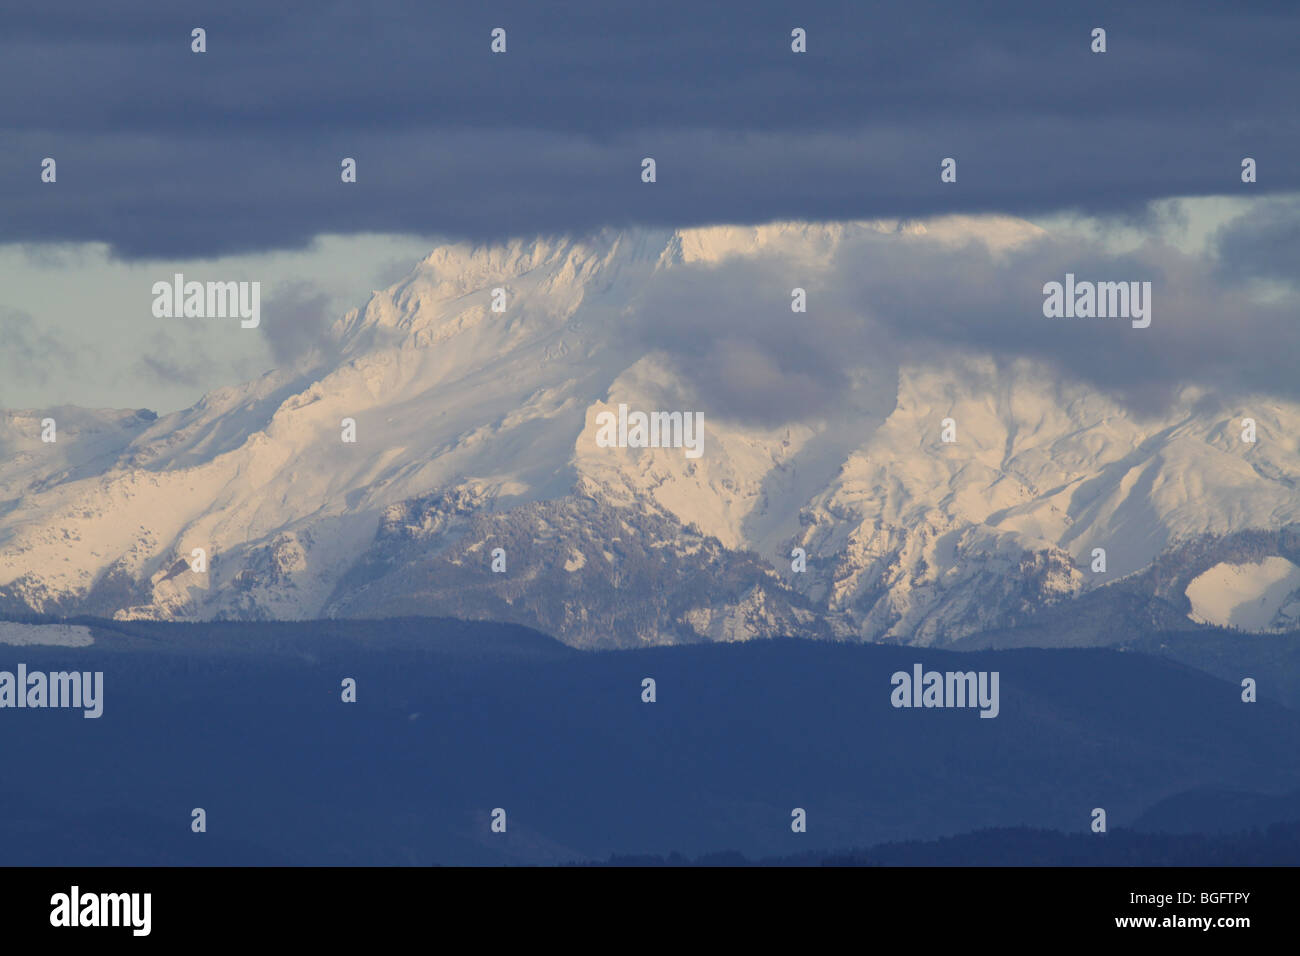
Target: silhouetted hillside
x=1277, y=845
x=1217, y=811
x=453, y=720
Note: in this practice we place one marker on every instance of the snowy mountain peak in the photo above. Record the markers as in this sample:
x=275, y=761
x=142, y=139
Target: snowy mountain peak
x=475, y=430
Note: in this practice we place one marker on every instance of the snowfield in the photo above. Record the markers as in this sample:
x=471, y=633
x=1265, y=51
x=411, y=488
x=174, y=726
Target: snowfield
x=64, y=635
x=1259, y=596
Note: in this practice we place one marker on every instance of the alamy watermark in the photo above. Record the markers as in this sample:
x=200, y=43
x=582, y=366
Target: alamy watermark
x=651, y=430
x=1101, y=300
x=76, y=908
x=949, y=689
x=210, y=300
x=56, y=689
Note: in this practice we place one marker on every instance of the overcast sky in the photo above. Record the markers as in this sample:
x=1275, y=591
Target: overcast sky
x=168, y=159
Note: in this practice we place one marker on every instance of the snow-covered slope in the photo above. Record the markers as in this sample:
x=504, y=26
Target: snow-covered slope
x=475, y=430
x=1256, y=596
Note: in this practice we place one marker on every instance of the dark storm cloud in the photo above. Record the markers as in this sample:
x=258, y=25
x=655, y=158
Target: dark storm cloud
x=733, y=337
x=163, y=152
x=730, y=330
x=1263, y=244
x=296, y=316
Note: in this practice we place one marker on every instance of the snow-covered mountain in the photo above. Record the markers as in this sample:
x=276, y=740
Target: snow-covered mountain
x=476, y=430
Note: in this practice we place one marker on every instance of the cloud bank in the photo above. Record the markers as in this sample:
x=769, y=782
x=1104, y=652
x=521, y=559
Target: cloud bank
x=165, y=152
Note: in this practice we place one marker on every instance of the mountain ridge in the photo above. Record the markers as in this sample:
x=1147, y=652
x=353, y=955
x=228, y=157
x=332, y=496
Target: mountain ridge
x=474, y=422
